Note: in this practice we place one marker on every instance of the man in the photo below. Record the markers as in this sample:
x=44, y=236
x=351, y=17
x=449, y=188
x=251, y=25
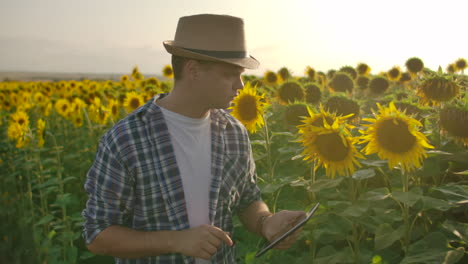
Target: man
x=169, y=177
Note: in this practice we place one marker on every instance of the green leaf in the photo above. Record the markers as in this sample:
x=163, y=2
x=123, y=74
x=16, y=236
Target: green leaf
x=385, y=235
x=323, y=184
x=250, y=257
x=433, y=203
x=364, y=174
x=289, y=134
x=374, y=163
x=356, y=210
x=329, y=255
x=432, y=249
x=271, y=187
x=258, y=142
x=86, y=255
x=69, y=179
x=71, y=254
x=453, y=192
x=376, y=194
x=453, y=256
x=45, y=220
x=408, y=198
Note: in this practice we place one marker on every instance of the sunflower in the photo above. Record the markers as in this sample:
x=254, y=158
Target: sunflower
x=132, y=101
x=124, y=78
x=270, y=78
x=342, y=82
x=414, y=65
x=395, y=136
x=46, y=109
x=153, y=81
x=310, y=73
x=291, y=91
x=284, y=74
x=330, y=146
x=460, y=64
x=363, y=69
x=15, y=131
x=248, y=108
x=362, y=82
x=322, y=78
x=63, y=107
x=394, y=73
x=77, y=120
x=313, y=93
x=167, y=71
x=438, y=88
x=294, y=113
x=342, y=106
x=451, y=68
x=349, y=70
x=39, y=98
x=405, y=78
x=21, y=118
x=114, y=109
x=40, y=132
x=378, y=85
x=454, y=120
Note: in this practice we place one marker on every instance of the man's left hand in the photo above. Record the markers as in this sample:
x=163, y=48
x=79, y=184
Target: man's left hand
x=277, y=224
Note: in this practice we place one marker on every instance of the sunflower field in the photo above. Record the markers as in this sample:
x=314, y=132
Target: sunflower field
x=384, y=153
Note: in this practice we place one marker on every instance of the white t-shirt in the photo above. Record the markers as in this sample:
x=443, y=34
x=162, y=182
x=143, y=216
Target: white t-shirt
x=191, y=140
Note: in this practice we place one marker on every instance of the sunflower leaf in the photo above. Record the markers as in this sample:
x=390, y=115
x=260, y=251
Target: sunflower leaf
x=430, y=249
x=385, y=235
x=324, y=184
x=364, y=174
x=409, y=198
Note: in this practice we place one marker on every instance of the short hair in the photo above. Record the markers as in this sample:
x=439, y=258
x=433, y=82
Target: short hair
x=178, y=63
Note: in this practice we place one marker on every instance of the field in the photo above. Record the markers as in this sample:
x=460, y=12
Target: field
x=384, y=153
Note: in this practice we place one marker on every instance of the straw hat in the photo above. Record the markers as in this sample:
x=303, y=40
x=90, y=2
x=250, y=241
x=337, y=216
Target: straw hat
x=212, y=37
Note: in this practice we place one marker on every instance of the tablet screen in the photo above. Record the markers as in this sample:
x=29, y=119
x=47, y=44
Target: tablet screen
x=289, y=232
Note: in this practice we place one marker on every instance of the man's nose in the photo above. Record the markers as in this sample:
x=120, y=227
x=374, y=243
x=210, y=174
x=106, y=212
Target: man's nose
x=238, y=85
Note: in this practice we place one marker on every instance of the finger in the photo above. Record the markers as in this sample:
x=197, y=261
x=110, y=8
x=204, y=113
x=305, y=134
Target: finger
x=210, y=249
x=220, y=234
x=204, y=255
x=215, y=242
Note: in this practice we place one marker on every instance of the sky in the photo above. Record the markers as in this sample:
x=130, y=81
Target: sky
x=113, y=36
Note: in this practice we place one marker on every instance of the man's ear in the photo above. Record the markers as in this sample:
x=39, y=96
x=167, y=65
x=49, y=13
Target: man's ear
x=192, y=69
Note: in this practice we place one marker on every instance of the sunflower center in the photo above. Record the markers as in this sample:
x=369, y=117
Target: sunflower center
x=167, y=71
x=394, y=135
x=331, y=147
x=114, y=110
x=64, y=107
x=271, y=77
x=247, y=108
x=21, y=121
x=134, y=103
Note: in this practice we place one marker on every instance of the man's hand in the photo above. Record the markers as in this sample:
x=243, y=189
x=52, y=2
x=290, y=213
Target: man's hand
x=277, y=224
x=201, y=242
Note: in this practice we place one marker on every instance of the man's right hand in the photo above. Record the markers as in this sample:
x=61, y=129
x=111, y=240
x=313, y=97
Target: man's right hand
x=201, y=242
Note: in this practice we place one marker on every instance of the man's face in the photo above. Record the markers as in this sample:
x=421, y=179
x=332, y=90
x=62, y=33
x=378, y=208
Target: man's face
x=219, y=83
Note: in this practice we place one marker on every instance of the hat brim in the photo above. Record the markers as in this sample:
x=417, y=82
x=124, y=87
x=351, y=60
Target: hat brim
x=247, y=62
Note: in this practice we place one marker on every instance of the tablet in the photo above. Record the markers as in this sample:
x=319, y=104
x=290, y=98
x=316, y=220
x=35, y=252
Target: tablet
x=287, y=233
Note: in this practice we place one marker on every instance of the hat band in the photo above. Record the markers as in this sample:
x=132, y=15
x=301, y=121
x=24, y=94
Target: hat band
x=221, y=54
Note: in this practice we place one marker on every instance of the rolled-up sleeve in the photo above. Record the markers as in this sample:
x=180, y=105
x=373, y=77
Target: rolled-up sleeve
x=109, y=186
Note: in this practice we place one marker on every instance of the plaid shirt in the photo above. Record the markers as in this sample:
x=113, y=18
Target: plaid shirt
x=135, y=181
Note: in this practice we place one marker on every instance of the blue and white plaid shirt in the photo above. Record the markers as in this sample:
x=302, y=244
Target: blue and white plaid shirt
x=135, y=181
